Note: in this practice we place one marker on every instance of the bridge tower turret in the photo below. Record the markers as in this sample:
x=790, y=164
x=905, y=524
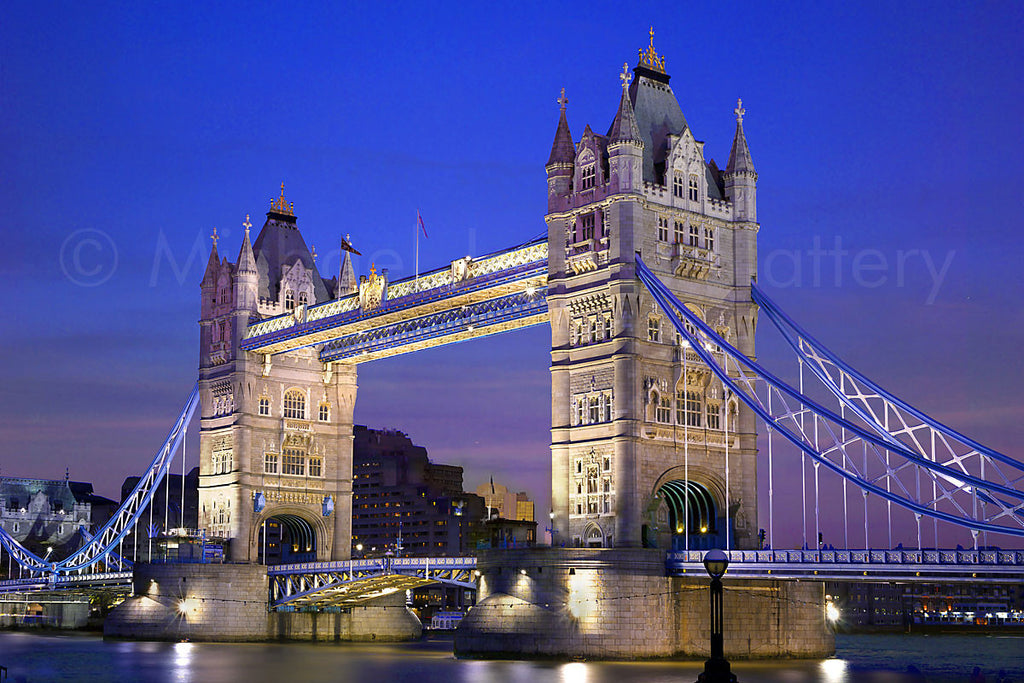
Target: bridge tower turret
x=640, y=429
x=276, y=432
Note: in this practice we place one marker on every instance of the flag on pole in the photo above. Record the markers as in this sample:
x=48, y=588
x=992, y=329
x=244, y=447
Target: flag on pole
x=347, y=246
x=419, y=221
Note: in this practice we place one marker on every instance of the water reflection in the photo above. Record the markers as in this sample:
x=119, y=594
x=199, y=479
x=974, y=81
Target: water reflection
x=833, y=671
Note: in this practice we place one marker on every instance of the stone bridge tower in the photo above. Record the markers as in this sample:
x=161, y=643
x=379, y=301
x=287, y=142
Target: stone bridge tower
x=276, y=437
x=640, y=432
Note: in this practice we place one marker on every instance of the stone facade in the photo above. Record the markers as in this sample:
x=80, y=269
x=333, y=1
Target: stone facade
x=276, y=435
x=619, y=376
x=618, y=604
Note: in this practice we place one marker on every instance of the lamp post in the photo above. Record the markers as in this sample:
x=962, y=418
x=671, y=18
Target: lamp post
x=716, y=668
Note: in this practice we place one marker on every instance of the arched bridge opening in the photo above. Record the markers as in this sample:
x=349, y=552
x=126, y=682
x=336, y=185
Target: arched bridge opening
x=692, y=515
x=286, y=538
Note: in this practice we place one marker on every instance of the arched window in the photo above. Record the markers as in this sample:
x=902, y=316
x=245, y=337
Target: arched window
x=587, y=176
x=303, y=299
x=694, y=189
x=295, y=404
x=289, y=300
x=264, y=405
x=677, y=185
x=325, y=412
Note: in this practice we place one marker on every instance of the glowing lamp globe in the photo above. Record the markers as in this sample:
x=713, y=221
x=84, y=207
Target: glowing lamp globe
x=716, y=562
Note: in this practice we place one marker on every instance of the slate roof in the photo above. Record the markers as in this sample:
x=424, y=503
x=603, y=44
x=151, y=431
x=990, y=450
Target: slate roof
x=279, y=244
x=657, y=116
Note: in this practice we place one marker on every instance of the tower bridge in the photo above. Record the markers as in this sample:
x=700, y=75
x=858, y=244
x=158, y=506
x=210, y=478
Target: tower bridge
x=647, y=277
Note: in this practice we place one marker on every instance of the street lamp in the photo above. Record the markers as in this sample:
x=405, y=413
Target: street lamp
x=716, y=669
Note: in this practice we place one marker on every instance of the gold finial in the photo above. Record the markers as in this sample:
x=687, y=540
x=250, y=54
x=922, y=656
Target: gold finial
x=625, y=76
x=246, y=225
x=650, y=58
x=563, y=100
x=312, y=252
x=739, y=110
x=373, y=272
x=215, y=237
x=279, y=205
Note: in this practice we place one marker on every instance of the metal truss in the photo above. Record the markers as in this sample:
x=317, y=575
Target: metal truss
x=353, y=582
x=973, y=566
x=876, y=464
x=465, y=282
x=898, y=422
x=480, y=319
x=97, y=552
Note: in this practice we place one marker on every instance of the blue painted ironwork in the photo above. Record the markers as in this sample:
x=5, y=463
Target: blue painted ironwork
x=786, y=423
x=483, y=317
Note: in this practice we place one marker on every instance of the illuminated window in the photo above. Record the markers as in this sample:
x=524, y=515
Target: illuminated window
x=293, y=462
x=588, y=177
x=709, y=238
x=264, y=406
x=653, y=329
x=325, y=412
x=316, y=467
x=694, y=235
x=662, y=229
x=295, y=404
x=593, y=328
x=222, y=461
x=694, y=191
x=595, y=409
x=607, y=327
x=677, y=185
x=289, y=300
x=270, y=463
x=680, y=232
x=580, y=409
x=303, y=299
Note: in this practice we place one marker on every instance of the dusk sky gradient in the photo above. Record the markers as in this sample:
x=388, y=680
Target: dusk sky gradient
x=128, y=131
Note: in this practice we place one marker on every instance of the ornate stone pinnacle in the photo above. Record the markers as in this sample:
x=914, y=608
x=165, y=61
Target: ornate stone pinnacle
x=563, y=100
x=214, y=237
x=625, y=76
x=739, y=110
x=247, y=224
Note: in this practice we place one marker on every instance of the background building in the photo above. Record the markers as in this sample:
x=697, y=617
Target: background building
x=403, y=502
x=168, y=513
x=45, y=515
x=503, y=503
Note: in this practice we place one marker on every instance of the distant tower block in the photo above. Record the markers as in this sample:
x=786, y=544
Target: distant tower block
x=276, y=437
x=639, y=433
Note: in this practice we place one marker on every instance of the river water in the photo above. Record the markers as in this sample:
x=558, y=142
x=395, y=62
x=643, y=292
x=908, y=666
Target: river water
x=35, y=658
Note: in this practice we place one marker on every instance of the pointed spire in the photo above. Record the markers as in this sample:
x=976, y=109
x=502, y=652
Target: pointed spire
x=210, y=276
x=347, y=283
x=739, y=158
x=563, y=151
x=624, y=128
x=246, y=260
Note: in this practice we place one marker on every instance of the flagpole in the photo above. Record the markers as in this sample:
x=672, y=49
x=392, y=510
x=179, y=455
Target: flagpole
x=416, y=228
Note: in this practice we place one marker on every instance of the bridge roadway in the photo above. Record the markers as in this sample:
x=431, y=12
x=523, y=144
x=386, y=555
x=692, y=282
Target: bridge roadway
x=470, y=298
x=903, y=566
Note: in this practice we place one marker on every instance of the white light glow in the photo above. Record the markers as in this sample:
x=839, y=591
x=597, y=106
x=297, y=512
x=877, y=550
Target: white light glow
x=833, y=671
x=831, y=611
x=575, y=672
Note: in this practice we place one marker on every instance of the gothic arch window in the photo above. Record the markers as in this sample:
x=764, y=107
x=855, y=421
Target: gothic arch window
x=694, y=235
x=694, y=189
x=653, y=329
x=588, y=177
x=325, y=412
x=289, y=300
x=295, y=404
x=677, y=185
x=688, y=408
x=303, y=299
x=709, y=238
x=264, y=406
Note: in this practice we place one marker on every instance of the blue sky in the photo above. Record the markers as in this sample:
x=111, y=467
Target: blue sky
x=130, y=130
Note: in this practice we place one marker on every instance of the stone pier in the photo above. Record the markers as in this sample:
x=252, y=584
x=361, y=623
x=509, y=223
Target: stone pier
x=228, y=602
x=618, y=604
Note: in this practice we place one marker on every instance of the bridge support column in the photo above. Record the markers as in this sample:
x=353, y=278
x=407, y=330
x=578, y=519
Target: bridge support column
x=618, y=604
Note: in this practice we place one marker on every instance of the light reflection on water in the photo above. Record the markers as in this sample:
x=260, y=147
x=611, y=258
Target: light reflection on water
x=868, y=658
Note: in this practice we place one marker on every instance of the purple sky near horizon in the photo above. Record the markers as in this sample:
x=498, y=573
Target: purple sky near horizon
x=130, y=131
